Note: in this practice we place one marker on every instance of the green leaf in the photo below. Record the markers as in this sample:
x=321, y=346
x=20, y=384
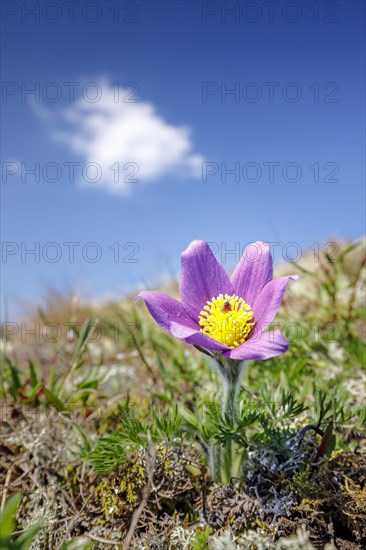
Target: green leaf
x=91, y=384
x=163, y=397
x=327, y=443
x=14, y=371
x=348, y=249
x=7, y=516
x=85, y=332
x=85, y=437
x=53, y=399
x=25, y=539
x=109, y=453
x=33, y=374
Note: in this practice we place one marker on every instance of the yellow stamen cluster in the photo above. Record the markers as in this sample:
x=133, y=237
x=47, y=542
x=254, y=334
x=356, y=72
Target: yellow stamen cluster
x=227, y=319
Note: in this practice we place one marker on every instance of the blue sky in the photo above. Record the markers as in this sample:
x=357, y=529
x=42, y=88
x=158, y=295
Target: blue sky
x=297, y=110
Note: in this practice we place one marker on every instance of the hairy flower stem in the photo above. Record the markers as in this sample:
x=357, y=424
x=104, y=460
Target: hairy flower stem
x=230, y=393
x=230, y=374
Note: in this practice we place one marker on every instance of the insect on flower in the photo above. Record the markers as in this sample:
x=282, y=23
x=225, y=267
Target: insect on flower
x=226, y=306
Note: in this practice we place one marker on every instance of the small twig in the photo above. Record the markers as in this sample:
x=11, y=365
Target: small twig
x=106, y=405
x=31, y=476
x=252, y=395
x=18, y=479
x=76, y=518
x=52, y=522
x=316, y=429
x=203, y=488
x=6, y=486
x=100, y=539
x=150, y=467
x=142, y=357
x=259, y=401
x=68, y=499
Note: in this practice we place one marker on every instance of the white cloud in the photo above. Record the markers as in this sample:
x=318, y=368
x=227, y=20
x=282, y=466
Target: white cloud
x=126, y=140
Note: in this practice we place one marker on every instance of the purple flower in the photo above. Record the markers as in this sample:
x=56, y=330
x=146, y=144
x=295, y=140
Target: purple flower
x=221, y=313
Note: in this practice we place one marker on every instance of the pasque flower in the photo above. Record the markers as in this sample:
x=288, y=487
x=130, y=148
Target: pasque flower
x=221, y=313
x=227, y=316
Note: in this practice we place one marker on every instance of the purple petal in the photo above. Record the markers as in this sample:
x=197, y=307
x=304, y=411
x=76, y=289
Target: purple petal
x=202, y=278
x=172, y=317
x=269, y=300
x=253, y=271
x=270, y=344
x=165, y=310
x=196, y=337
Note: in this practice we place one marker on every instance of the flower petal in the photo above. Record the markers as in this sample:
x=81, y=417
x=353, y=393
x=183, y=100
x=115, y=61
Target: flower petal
x=253, y=272
x=166, y=310
x=269, y=300
x=270, y=344
x=202, y=278
x=172, y=317
x=196, y=337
